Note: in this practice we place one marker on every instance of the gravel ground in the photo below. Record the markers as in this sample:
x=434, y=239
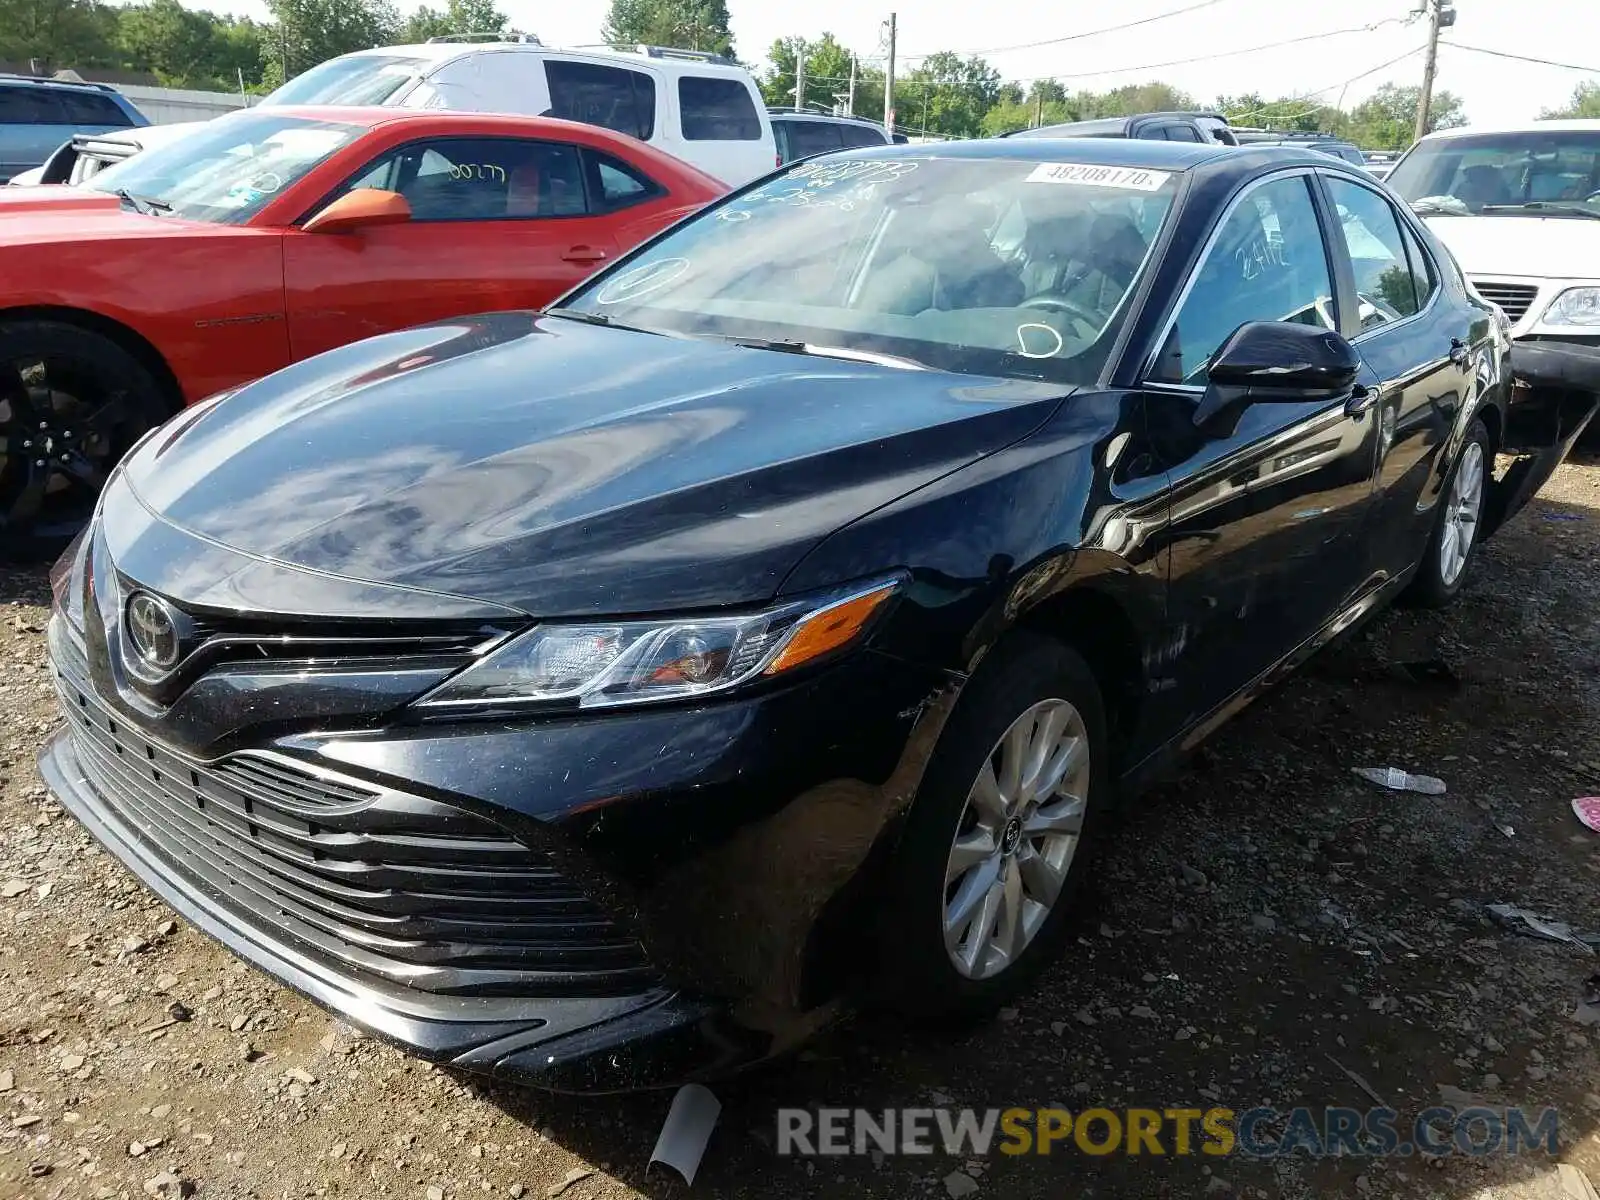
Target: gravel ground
x=1257, y=927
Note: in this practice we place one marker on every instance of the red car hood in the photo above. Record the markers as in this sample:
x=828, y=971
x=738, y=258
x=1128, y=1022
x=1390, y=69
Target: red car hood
x=29, y=216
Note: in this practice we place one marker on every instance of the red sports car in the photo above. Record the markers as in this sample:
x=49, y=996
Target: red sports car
x=271, y=235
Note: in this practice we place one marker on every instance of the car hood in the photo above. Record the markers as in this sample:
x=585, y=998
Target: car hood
x=560, y=468
x=45, y=214
x=1537, y=247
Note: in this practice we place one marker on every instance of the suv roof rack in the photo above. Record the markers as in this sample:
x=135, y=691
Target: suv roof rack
x=487, y=36
x=54, y=82
x=705, y=56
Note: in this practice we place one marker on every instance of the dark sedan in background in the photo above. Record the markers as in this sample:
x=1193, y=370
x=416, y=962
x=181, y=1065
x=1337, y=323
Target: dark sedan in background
x=607, y=697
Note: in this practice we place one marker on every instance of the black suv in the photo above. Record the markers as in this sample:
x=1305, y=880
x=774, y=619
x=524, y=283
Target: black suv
x=802, y=134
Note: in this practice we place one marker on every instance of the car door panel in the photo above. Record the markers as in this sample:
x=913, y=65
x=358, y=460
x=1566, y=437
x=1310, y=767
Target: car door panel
x=1263, y=538
x=497, y=224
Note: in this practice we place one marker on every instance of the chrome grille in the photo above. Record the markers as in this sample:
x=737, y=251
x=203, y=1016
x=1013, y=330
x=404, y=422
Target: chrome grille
x=392, y=885
x=1514, y=298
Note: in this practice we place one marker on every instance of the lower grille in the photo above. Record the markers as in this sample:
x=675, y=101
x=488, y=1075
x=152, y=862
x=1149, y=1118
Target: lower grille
x=391, y=885
x=1514, y=298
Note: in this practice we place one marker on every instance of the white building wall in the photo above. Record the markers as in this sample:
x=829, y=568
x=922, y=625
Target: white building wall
x=168, y=106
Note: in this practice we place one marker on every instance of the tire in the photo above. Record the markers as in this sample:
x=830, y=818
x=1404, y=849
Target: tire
x=919, y=975
x=72, y=403
x=1436, y=584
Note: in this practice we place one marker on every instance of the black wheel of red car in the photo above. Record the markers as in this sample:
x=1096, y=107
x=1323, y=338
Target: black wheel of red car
x=72, y=402
x=995, y=845
x=1457, y=526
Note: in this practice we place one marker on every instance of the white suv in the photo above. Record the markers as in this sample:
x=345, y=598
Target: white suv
x=1520, y=210
x=698, y=107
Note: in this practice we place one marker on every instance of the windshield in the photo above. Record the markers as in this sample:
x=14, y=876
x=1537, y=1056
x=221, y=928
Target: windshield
x=227, y=171
x=994, y=267
x=354, y=79
x=1541, y=171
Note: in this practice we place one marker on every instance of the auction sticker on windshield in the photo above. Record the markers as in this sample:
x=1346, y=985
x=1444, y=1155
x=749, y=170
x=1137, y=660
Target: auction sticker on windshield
x=1085, y=173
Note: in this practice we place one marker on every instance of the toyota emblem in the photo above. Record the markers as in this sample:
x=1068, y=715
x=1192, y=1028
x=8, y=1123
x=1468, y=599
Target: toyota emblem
x=153, y=632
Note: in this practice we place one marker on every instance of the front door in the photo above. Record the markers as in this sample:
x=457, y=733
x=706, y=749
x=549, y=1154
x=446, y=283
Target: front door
x=496, y=223
x=1269, y=498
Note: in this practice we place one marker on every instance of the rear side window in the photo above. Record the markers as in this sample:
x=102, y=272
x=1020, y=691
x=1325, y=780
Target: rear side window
x=1385, y=289
x=29, y=106
x=87, y=108
x=860, y=135
x=720, y=110
x=610, y=97
x=812, y=137
x=1423, y=281
x=617, y=185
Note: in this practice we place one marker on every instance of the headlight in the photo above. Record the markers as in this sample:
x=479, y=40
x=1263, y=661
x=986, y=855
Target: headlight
x=1575, y=306
x=604, y=664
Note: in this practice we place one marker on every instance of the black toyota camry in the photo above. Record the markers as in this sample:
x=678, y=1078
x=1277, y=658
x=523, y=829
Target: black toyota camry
x=609, y=697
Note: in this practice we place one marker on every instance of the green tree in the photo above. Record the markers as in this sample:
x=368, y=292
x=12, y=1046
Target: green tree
x=827, y=77
x=947, y=95
x=459, y=16
x=304, y=33
x=1585, y=103
x=61, y=33
x=1387, y=119
x=684, y=24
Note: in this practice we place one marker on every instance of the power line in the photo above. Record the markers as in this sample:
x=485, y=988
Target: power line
x=1543, y=62
x=1180, y=62
x=1088, y=33
x=1319, y=91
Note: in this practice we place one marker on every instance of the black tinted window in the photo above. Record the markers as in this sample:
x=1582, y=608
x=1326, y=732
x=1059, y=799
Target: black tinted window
x=87, y=108
x=609, y=97
x=1182, y=133
x=719, y=110
x=619, y=185
x=29, y=106
x=812, y=137
x=481, y=179
x=860, y=135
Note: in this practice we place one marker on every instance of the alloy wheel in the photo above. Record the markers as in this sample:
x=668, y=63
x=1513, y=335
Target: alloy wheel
x=1016, y=839
x=63, y=431
x=1461, y=514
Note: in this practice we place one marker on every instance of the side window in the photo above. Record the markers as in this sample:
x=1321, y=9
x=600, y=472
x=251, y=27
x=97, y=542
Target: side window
x=609, y=97
x=1266, y=263
x=1384, y=288
x=812, y=137
x=617, y=184
x=860, y=135
x=718, y=110
x=29, y=106
x=1423, y=280
x=481, y=179
x=1182, y=133
x=90, y=108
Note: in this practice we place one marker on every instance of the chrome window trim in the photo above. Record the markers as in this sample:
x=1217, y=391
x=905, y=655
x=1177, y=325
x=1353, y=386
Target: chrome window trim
x=1434, y=275
x=1301, y=172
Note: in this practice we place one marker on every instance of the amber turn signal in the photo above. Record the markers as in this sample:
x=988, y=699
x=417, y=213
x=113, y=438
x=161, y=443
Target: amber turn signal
x=831, y=628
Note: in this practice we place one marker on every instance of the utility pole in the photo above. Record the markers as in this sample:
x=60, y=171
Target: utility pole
x=888, y=83
x=850, y=103
x=283, y=48
x=1440, y=16
x=800, y=77
x=1038, y=109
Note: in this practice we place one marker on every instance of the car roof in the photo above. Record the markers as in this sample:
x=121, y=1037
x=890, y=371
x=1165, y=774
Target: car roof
x=788, y=114
x=1113, y=152
x=437, y=53
x=35, y=81
x=1568, y=125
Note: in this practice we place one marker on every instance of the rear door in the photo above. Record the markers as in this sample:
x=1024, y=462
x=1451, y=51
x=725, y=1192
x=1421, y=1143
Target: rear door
x=32, y=125
x=497, y=223
x=1417, y=354
x=1268, y=503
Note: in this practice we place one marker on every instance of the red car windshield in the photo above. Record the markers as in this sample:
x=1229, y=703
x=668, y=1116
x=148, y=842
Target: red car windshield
x=228, y=170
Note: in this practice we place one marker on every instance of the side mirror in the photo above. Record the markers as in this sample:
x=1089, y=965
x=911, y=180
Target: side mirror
x=1282, y=361
x=360, y=209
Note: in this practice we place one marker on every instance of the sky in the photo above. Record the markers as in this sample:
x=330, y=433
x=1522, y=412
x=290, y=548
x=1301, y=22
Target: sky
x=1496, y=90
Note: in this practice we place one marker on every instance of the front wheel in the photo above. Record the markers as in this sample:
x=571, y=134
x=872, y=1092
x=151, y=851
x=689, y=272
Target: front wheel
x=1456, y=527
x=991, y=855
x=72, y=403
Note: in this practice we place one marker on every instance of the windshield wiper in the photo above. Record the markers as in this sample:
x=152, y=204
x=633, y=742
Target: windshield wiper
x=589, y=318
x=1545, y=206
x=791, y=346
x=144, y=204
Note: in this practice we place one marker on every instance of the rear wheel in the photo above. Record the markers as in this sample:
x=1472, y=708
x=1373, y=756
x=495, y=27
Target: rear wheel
x=1443, y=570
x=985, y=872
x=72, y=402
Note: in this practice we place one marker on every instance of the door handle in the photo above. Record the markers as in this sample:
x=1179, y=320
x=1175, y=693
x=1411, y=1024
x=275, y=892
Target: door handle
x=1361, y=399
x=584, y=254
x=1459, y=352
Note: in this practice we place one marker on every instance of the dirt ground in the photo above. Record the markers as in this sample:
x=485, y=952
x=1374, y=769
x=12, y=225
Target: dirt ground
x=1254, y=930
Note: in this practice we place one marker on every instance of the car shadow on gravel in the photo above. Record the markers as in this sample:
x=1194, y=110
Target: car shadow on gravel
x=1267, y=929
